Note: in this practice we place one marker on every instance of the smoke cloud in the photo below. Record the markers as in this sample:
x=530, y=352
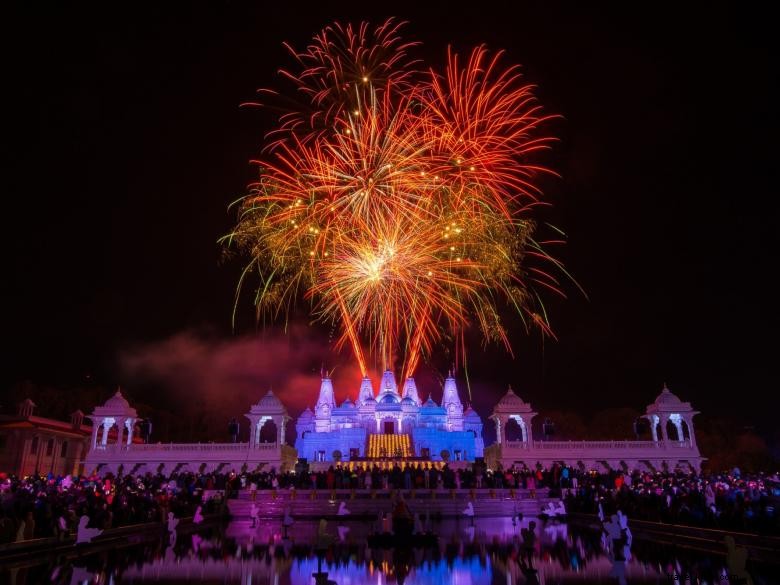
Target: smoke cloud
x=205, y=381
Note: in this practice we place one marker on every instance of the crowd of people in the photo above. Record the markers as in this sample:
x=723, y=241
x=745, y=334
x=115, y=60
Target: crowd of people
x=41, y=506
x=45, y=506
x=730, y=501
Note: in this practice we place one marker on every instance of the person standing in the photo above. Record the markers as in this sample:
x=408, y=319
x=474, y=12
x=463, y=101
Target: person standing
x=529, y=542
x=233, y=430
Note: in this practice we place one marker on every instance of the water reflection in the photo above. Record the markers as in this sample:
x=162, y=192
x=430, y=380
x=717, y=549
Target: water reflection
x=489, y=551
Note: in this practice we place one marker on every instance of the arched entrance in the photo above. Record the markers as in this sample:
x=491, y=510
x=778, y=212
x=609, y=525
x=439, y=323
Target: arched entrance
x=513, y=430
x=268, y=432
x=388, y=426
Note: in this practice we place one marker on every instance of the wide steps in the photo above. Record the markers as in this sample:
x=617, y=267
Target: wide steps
x=362, y=505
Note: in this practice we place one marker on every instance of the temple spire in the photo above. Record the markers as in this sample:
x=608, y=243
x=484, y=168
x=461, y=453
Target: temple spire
x=410, y=390
x=326, y=396
x=366, y=391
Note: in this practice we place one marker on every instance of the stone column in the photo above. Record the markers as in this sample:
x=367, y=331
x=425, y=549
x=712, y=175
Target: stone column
x=93, y=440
x=498, y=431
x=54, y=451
x=283, y=432
x=678, y=426
x=104, y=440
x=689, y=422
x=120, y=432
x=74, y=466
x=130, y=423
x=664, y=422
x=523, y=429
x=279, y=428
x=653, y=428
x=39, y=453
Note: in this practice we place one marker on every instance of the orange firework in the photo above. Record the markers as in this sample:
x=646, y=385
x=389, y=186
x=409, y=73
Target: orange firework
x=399, y=202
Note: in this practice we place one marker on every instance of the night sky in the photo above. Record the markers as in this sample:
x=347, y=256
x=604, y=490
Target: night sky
x=124, y=144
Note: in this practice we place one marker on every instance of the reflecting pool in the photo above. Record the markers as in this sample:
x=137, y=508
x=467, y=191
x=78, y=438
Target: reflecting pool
x=486, y=553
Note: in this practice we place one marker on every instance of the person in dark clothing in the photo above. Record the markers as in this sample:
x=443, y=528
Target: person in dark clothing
x=233, y=430
x=529, y=542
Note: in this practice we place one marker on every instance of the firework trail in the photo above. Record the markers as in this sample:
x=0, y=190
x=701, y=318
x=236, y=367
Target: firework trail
x=399, y=201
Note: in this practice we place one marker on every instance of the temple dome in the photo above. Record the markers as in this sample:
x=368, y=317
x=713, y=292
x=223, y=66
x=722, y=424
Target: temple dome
x=511, y=400
x=306, y=415
x=408, y=403
x=270, y=401
x=667, y=398
x=117, y=402
x=471, y=415
x=388, y=398
x=430, y=403
x=348, y=404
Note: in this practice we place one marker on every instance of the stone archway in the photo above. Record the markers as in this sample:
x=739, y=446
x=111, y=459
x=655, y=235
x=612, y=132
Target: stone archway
x=513, y=432
x=671, y=431
x=269, y=432
x=686, y=430
x=388, y=426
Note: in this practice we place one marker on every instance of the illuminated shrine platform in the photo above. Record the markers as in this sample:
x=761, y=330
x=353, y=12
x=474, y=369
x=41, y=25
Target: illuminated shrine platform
x=393, y=423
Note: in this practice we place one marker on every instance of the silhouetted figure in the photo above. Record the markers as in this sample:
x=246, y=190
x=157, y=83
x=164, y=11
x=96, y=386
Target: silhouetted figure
x=233, y=430
x=173, y=522
x=469, y=512
x=146, y=430
x=287, y=521
x=625, y=531
x=529, y=542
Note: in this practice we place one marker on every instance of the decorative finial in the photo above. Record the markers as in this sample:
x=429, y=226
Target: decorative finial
x=509, y=389
x=665, y=388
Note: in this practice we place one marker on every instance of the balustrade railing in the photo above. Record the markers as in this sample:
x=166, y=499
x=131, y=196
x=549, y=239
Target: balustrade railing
x=178, y=447
x=584, y=445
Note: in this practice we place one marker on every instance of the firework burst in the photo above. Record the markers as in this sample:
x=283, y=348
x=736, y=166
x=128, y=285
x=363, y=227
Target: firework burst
x=399, y=203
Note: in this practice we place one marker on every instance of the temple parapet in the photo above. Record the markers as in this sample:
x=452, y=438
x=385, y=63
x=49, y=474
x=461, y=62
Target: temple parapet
x=673, y=442
x=122, y=454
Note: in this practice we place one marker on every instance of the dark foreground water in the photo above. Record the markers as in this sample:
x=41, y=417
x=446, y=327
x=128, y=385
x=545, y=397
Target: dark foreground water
x=485, y=554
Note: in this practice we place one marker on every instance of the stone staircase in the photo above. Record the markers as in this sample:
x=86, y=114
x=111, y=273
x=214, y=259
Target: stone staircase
x=361, y=505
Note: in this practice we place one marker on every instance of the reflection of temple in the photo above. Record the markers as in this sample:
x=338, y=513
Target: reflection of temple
x=672, y=442
x=389, y=425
